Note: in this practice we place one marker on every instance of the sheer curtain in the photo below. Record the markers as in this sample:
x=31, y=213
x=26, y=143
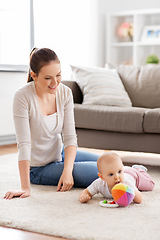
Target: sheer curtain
x=69, y=27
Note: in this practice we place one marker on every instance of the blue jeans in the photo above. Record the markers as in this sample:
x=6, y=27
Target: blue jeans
x=84, y=170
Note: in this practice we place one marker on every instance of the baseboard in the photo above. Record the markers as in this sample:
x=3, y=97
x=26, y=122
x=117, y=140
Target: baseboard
x=8, y=139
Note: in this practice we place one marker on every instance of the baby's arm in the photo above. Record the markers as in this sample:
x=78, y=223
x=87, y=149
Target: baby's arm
x=138, y=196
x=90, y=191
x=85, y=196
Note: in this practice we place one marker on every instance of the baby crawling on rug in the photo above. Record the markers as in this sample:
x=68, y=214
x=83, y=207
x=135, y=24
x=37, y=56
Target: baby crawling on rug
x=111, y=172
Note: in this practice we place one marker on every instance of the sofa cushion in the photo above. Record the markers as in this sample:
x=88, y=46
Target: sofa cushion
x=142, y=84
x=152, y=121
x=77, y=93
x=101, y=86
x=117, y=119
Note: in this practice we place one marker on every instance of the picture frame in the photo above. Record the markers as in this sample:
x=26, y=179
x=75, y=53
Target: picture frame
x=151, y=34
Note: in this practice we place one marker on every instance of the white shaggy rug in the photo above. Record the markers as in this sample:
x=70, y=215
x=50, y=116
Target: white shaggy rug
x=61, y=214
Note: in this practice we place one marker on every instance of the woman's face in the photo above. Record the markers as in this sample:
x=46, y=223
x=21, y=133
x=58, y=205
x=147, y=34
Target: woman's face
x=48, y=78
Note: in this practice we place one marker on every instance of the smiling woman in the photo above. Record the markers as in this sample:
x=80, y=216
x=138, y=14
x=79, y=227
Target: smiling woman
x=48, y=147
x=46, y=86
x=45, y=71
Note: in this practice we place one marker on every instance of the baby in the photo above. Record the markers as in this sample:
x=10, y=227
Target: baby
x=111, y=172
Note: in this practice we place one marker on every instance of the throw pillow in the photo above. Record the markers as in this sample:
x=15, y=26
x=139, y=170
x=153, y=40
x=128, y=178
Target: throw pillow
x=101, y=86
x=141, y=83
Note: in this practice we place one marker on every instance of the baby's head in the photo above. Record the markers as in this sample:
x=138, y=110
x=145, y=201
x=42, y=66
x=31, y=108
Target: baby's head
x=110, y=169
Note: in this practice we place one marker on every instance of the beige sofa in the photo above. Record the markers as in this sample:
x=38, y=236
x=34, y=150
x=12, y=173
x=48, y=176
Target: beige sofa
x=135, y=128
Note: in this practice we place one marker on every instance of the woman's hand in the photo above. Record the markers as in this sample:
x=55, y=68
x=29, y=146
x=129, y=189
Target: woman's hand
x=66, y=181
x=23, y=193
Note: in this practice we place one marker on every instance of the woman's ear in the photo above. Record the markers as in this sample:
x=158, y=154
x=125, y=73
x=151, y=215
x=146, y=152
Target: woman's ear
x=100, y=175
x=33, y=75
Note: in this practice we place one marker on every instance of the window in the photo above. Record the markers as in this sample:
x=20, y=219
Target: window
x=14, y=32
x=67, y=27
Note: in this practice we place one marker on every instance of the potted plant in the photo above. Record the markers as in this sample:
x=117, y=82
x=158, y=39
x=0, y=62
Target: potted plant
x=152, y=59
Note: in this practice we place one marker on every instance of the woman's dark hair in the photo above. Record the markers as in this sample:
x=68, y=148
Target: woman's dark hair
x=39, y=57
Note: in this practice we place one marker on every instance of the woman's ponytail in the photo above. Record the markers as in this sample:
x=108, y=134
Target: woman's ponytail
x=30, y=79
x=39, y=57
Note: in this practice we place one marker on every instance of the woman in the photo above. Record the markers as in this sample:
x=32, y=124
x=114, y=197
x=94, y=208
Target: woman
x=43, y=112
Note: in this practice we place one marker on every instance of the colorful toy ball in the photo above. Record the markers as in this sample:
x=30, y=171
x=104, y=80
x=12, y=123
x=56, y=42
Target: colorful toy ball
x=122, y=194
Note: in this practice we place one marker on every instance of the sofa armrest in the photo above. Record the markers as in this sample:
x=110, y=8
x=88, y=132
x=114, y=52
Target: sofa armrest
x=77, y=93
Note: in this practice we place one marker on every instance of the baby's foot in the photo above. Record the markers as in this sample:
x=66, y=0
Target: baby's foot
x=85, y=196
x=140, y=166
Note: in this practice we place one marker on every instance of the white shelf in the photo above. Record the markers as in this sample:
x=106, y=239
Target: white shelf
x=125, y=44
x=136, y=12
x=136, y=51
x=147, y=43
x=122, y=44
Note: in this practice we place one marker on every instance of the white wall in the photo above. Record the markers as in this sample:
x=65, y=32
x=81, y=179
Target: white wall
x=108, y=6
x=10, y=82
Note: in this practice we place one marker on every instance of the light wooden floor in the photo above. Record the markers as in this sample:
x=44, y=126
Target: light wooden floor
x=9, y=233
x=7, y=149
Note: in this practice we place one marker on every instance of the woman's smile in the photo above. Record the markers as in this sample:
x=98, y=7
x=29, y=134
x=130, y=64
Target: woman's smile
x=52, y=88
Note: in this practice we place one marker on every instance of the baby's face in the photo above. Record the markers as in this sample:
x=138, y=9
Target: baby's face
x=113, y=173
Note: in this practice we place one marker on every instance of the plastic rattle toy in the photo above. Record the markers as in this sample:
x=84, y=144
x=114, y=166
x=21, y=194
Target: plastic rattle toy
x=110, y=204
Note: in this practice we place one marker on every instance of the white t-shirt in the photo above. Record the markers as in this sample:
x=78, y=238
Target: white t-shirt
x=36, y=142
x=100, y=186
x=51, y=121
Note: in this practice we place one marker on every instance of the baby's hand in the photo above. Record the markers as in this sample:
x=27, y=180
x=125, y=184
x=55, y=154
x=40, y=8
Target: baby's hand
x=85, y=196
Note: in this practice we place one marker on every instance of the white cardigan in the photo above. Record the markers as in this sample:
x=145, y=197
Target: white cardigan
x=35, y=141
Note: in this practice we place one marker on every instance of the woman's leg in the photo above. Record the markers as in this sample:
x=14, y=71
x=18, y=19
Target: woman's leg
x=84, y=156
x=47, y=175
x=84, y=171
x=85, y=168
